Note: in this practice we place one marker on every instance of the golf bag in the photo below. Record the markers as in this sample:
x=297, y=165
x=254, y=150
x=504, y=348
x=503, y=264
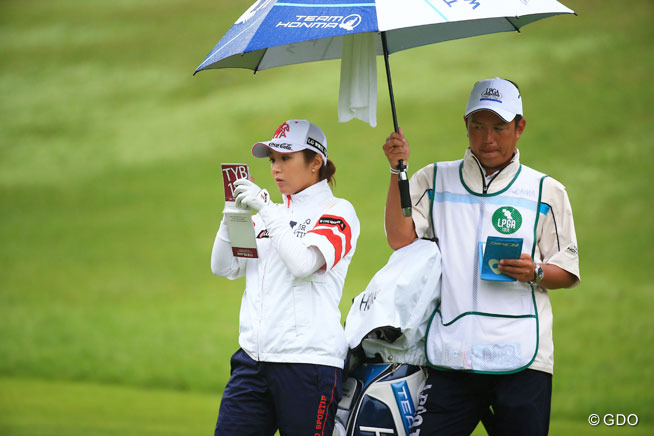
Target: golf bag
x=385, y=330
x=379, y=399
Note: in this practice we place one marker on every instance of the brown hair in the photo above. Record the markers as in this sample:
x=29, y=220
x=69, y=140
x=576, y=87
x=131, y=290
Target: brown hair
x=326, y=172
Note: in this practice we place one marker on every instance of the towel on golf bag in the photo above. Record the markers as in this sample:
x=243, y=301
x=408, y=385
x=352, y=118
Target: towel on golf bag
x=357, y=97
x=390, y=317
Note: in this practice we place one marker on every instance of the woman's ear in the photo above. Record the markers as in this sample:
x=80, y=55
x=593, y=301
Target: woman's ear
x=316, y=163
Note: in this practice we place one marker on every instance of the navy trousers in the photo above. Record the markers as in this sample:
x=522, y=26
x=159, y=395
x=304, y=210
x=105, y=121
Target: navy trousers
x=297, y=399
x=453, y=402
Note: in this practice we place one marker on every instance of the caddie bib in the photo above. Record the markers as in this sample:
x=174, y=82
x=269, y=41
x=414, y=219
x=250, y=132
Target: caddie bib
x=482, y=326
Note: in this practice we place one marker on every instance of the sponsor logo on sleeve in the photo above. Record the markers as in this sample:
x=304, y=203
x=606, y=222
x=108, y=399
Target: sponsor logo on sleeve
x=337, y=232
x=333, y=221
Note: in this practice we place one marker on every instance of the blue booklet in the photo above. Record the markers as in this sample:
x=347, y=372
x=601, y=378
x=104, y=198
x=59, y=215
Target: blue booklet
x=497, y=248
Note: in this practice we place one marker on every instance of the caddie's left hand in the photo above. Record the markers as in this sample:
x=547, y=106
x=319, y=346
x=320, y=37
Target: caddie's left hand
x=520, y=269
x=248, y=194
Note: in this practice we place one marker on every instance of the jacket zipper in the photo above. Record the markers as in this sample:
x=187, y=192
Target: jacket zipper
x=482, y=173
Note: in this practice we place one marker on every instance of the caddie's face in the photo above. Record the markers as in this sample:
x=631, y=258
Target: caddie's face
x=492, y=139
x=291, y=173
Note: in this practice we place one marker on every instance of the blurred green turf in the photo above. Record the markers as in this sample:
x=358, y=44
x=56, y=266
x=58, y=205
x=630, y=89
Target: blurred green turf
x=36, y=407
x=110, y=195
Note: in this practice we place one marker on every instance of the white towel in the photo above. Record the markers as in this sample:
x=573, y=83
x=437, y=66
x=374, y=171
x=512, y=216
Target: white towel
x=357, y=96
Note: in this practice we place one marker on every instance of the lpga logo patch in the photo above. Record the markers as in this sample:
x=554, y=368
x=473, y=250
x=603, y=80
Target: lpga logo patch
x=491, y=94
x=507, y=220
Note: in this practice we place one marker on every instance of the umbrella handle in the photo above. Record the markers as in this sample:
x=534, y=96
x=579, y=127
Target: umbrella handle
x=403, y=185
x=403, y=180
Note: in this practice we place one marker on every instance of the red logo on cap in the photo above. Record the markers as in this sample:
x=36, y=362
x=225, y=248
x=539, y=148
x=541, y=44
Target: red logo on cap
x=281, y=131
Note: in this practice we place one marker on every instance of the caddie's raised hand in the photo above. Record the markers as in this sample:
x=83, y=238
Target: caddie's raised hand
x=248, y=194
x=395, y=148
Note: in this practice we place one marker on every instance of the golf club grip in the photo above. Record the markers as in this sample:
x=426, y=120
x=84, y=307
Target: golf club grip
x=403, y=184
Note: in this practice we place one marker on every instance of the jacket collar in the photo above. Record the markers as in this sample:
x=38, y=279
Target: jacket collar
x=313, y=194
x=474, y=174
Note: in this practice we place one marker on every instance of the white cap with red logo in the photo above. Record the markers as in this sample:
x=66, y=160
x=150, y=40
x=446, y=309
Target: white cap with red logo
x=294, y=135
x=497, y=95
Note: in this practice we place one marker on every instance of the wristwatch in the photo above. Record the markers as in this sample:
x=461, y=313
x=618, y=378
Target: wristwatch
x=538, y=275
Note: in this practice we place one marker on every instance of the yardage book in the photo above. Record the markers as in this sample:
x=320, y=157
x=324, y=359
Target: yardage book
x=497, y=248
x=239, y=221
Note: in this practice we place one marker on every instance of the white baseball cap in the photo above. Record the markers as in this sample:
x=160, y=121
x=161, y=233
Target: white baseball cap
x=497, y=95
x=294, y=135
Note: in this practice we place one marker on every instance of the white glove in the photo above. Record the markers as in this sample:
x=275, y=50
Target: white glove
x=248, y=194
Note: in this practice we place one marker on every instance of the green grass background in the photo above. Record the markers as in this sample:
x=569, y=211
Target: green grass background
x=110, y=196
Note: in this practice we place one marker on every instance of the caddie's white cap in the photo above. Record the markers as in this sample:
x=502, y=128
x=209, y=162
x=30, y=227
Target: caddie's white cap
x=294, y=135
x=497, y=95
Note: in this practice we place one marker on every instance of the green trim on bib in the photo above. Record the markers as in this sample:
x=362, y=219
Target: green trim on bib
x=512, y=371
x=487, y=195
x=490, y=315
x=431, y=203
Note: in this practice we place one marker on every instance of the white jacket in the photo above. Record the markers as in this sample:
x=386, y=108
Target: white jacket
x=285, y=318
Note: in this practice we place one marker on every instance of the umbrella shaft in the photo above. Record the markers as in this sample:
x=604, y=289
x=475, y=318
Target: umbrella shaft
x=390, y=82
x=403, y=181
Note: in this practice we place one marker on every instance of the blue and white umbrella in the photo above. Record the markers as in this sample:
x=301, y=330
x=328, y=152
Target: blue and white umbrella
x=273, y=33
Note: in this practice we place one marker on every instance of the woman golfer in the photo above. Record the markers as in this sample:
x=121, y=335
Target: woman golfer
x=287, y=373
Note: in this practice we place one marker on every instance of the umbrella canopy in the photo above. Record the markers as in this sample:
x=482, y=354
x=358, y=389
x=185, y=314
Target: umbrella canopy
x=273, y=33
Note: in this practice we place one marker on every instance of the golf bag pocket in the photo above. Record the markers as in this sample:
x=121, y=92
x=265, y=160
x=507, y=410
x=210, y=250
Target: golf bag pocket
x=379, y=398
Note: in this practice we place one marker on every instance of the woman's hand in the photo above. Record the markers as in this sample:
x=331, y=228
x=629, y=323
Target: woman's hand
x=248, y=194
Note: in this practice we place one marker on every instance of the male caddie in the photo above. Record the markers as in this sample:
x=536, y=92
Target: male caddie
x=489, y=343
